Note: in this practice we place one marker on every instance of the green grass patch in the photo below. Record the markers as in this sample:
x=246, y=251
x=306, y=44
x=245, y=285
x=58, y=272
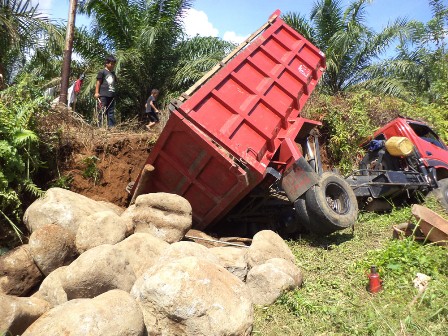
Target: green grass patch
x=334, y=299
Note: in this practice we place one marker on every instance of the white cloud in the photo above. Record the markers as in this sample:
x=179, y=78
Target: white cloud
x=44, y=6
x=231, y=36
x=196, y=23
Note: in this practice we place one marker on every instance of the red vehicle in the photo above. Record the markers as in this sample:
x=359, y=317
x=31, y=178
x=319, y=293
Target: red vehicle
x=385, y=176
x=238, y=131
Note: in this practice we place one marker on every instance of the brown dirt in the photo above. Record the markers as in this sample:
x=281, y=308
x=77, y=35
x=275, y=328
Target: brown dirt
x=99, y=162
x=120, y=159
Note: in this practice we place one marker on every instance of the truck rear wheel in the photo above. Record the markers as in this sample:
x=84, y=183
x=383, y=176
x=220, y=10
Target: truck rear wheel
x=441, y=192
x=331, y=205
x=302, y=213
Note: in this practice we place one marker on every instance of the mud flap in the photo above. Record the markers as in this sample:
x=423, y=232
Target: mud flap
x=298, y=178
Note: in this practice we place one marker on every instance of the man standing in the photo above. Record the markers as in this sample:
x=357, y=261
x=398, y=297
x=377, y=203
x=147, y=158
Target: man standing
x=106, y=81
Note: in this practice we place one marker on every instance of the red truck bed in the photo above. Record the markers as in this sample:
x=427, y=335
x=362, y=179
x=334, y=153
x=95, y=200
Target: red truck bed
x=221, y=136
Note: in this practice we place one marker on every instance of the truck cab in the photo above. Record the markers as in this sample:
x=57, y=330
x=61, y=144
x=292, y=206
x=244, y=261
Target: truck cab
x=430, y=148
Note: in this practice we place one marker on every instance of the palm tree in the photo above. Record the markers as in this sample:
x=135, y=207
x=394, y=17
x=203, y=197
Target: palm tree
x=350, y=46
x=152, y=50
x=196, y=57
x=421, y=64
x=21, y=27
x=143, y=35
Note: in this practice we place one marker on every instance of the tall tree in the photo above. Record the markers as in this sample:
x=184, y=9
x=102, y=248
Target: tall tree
x=350, y=46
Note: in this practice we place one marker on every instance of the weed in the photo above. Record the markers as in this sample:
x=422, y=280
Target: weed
x=63, y=181
x=91, y=171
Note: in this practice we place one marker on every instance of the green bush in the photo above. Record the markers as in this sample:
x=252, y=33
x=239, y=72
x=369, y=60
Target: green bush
x=19, y=152
x=348, y=120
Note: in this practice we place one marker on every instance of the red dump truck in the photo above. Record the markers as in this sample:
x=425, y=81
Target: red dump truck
x=238, y=133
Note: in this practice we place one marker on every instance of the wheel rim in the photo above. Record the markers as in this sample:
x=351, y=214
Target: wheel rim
x=337, y=198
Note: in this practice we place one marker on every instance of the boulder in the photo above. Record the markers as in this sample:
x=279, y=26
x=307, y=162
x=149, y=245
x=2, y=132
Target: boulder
x=142, y=250
x=52, y=246
x=267, y=282
x=266, y=245
x=113, y=207
x=186, y=249
x=61, y=207
x=165, y=216
x=114, y=313
x=96, y=271
x=51, y=289
x=18, y=272
x=202, y=238
x=233, y=259
x=192, y=296
x=18, y=313
x=128, y=217
x=103, y=227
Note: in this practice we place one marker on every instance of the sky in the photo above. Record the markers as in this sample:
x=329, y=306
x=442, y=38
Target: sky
x=234, y=20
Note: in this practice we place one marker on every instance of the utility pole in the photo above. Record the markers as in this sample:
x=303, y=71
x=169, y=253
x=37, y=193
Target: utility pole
x=65, y=73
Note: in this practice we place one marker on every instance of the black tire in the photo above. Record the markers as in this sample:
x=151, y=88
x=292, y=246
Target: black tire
x=302, y=213
x=331, y=205
x=441, y=193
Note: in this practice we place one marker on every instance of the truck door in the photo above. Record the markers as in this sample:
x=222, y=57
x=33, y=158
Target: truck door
x=430, y=145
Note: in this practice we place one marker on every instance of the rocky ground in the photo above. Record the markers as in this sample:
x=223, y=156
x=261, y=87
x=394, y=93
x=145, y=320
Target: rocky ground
x=92, y=267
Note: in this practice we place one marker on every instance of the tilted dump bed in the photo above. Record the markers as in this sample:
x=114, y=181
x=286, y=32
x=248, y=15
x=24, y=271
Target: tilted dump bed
x=223, y=133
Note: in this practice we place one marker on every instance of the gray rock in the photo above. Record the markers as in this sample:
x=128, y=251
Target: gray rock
x=192, y=296
x=104, y=227
x=97, y=271
x=52, y=246
x=165, y=216
x=18, y=272
x=233, y=259
x=61, y=207
x=114, y=313
x=267, y=282
x=267, y=245
x=51, y=289
x=18, y=313
x=142, y=250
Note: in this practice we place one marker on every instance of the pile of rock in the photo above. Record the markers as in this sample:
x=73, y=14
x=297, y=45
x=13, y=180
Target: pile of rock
x=109, y=271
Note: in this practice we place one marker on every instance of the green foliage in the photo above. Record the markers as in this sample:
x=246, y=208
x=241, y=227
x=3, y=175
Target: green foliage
x=400, y=260
x=63, y=181
x=19, y=155
x=348, y=120
x=333, y=299
x=22, y=29
x=91, y=170
x=349, y=45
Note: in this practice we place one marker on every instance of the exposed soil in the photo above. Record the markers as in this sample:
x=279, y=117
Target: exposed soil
x=120, y=158
x=99, y=163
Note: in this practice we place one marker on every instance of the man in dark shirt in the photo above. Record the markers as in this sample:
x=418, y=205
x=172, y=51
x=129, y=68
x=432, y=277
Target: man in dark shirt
x=106, y=81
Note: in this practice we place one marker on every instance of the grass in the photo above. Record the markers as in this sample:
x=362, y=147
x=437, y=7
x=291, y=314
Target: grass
x=333, y=299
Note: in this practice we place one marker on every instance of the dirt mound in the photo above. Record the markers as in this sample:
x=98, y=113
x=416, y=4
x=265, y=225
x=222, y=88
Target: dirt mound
x=96, y=162
x=103, y=171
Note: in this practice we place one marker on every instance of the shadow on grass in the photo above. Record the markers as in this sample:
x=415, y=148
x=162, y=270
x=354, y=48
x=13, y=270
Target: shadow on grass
x=326, y=242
